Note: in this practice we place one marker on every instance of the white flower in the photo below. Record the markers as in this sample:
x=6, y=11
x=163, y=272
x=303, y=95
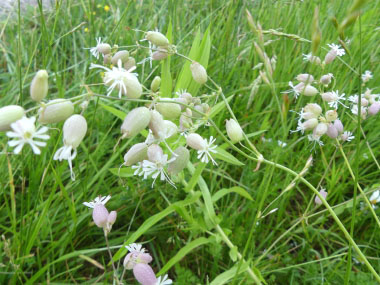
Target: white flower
x=115, y=77
x=315, y=139
x=24, y=131
x=311, y=58
x=281, y=143
x=97, y=200
x=205, y=154
x=155, y=169
x=375, y=198
x=337, y=48
x=296, y=89
x=163, y=280
x=366, y=76
x=135, y=248
x=94, y=50
x=347, y=136
x=337, y=100
x=355, y=109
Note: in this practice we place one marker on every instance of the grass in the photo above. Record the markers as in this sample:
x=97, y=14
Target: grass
x=49, y=236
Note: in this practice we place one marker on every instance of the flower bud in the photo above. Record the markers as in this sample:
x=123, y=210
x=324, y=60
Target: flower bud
x=338, y=125
x=329, y=96
x=130, y=63
x=155, y=153
x=195, y=141
x=326, y=79
x=39, y=86
x=104, y=48
x=332, y=132
x=159, y=55
x=180, y=161
x=310, y=124
x=155, y=84
x=309, y=90
x=374, y=108
x=313, y=109
x=144, y=274
x=144, y=258
x=123, y=55
x=55, y=111
x=107, y=58
x=157, y=38
x=136, y=153
x=182, y=101
x=234, y=131
x=305, y=78
x=156, y=123
x=187, y=97
x=169, y=129
x=331, y=115
x=74, y=130
x=364, y=102
x=169, y=110
x=133, y=86
x=130, y=260
x=315, y=60
x=199, y=72
x=317, y=200
x=112, y=218
x=320, y=129
x=8, y=115
x=185, y=122
x=100, y=215
x=198, y=108
x=330, y=56
x=136, y=120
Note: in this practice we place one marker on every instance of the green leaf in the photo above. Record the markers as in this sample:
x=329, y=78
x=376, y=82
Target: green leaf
x=229, y=274
x=226, y=156
x=166, y=78
x=150, y=222
x=120, y=114
x=226, y=191
x=183, y=252
x=219, y=107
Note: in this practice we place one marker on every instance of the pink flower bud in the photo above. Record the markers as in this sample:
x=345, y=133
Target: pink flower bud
x=329, y=96
x=326, y=79
x=310, y=124
x=144, y=258
x=313, y=108
x=112, y=217
x=305, y=78
x=104, y=48
x=330, y=56
x=309, y=90
x=338, y=125
x=159, y=55
x=374, y=108
x=144, y=274
x=130, y=260
x=156, y=123
x=187, y=97
x=195, y=141
x=332, y=132
x=317, y=200
x=100, y=215
x=123, y=55
x=320, y=129
x=155, y=153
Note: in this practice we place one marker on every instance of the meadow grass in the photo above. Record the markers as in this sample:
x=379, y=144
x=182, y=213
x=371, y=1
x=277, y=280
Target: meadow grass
x=48, y=235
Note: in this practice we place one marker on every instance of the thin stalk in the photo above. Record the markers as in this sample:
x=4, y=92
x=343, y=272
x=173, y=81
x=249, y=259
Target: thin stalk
x=110, y=254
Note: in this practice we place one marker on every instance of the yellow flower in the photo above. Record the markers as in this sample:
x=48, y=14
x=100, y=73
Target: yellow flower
x=94, y=13
x=106, y=8
x=86, y=30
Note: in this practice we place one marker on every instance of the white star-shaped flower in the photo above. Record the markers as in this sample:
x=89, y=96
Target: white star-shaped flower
x=337, y=100
x=205, y=154
x=338, y=49
x=94, y=50
x=24, y=132
x=367, y=76
x=135, y=248
x=375, y=198
x=163, y=280
x=347, y=136
x=97, y=200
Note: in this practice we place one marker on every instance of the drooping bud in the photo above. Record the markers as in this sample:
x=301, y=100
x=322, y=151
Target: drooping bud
x=313, y=109
x=317, y=200
x=329, y=96
x=107, y=58
x=104, y=48
x=55, y=111
x=234, y=131
x=8, y=115
x=320, y=129
x=112, y=218
x=156, y=123
x=155, y=153
x=74, y=130
x=330, y=56
x=309, y=90
x=130, y=260
x=144, y=257
x=144, y=274
x=310, y=124
x=133, y=86
x=155, y=84
x=374, y=108
x=157, y=38
x=136, y=120
x=100, y=215
x=180, y=161
x=332, y=132
x=338, y=125
x=136, y=153
x=199, y=72
x=39, y=87
x=123, y=55
x=130, y=63
x=187, y=97
x=331, y=115
x=305, y=78
x=160, y=55
x=364, y=102
x=195, y=141
x=326, y=79
x=170, y=111
x=169, y=129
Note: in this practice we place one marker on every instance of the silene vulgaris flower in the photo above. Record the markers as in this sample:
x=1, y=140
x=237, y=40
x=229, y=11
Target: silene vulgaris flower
x=24, y=132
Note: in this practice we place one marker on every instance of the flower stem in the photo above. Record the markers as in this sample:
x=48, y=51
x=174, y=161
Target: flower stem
x=113, y=264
